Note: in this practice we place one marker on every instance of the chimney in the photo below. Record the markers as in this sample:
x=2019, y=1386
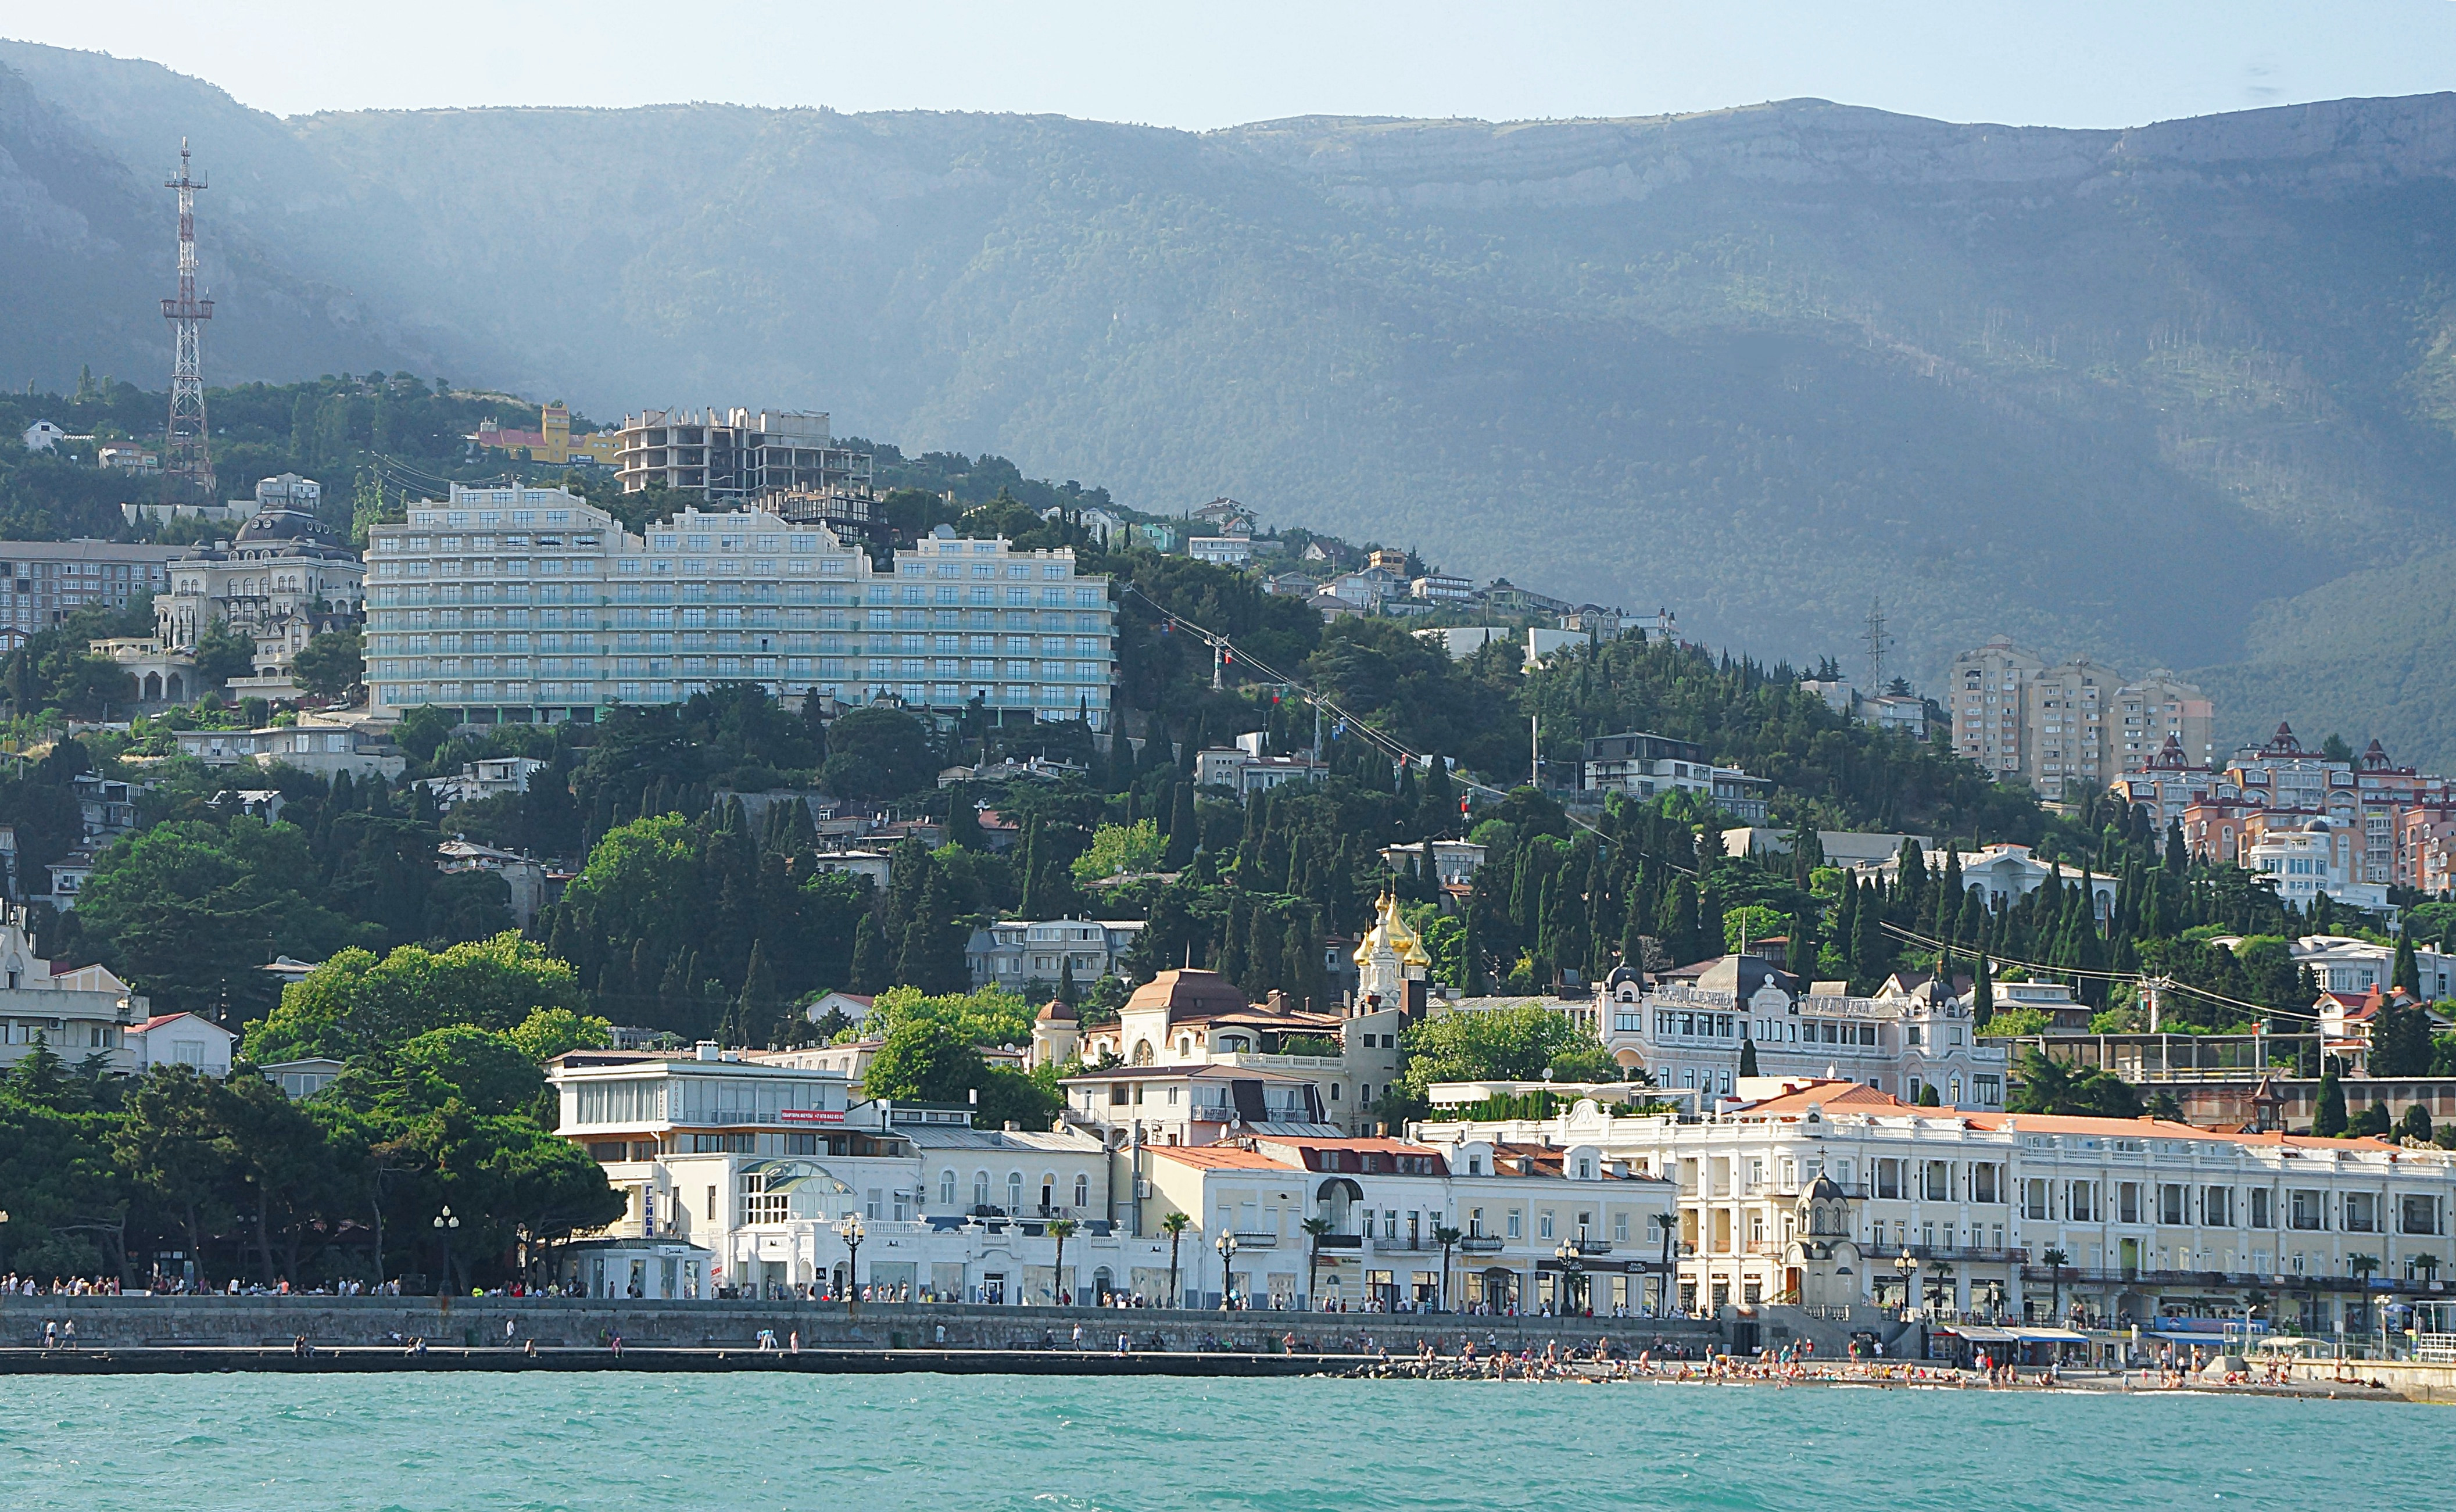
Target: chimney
x=707, y=1049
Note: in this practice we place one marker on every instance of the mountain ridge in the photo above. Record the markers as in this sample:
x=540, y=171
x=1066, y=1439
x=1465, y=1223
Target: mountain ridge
x=2137, y=392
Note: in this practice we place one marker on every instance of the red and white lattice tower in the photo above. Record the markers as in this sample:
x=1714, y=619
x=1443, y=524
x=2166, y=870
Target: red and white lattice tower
x=187, y=463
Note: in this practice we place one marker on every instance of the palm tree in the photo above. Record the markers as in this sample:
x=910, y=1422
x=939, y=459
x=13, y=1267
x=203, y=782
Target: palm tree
x=1316, y=1229
x=2428, y=1265
x=2361, y=1266
x=1061, y=1230
x=1174, y=1226
x=2056, y=1260
x=1445, y=1239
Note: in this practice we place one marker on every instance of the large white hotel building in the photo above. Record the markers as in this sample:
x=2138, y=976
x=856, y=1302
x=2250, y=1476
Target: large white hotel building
x=529, y=605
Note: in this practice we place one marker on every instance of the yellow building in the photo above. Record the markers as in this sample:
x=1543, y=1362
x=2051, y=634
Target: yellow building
x=552, y=442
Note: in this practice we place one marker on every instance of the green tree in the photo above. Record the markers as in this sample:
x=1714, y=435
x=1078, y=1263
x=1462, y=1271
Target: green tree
x=356, y=1003
x=330, y=663
x=1174, y=1224
x=1510, y=1044
x=222, y=654
x=2329, y=1121
x=2051, y=1086
x=1120, y=850
x=878, y=752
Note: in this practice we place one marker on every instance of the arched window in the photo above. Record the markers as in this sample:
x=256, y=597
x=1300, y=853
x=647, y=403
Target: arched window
x=1048, y=1190
x=1014, y=1192
x=980, y=1189
x=1082, y=1190
x=1143, y=1052
x=947, y=1186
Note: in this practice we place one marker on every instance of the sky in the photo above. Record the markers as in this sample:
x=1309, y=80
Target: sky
x=2088, y=63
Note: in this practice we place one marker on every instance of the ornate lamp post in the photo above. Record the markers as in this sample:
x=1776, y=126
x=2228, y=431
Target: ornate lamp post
x=1906, y=1266
x=444, y=1224
x=850, y=1231
x=1571, y=1274
x=1226, y=1245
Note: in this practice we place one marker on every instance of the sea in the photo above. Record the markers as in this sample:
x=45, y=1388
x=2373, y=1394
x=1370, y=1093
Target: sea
x=874, y=1445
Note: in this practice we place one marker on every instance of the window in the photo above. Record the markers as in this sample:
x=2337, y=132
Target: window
x=2127, y=1202
x=1516, y=1227
x=2263, y=1208
x=1936, y=1186
x=2172, y=1205
x=1620, y=1228
x=1543, y=1225
x=2306, y=1209
x=2216, y=1207
x=1083, y=1188
x=2362, y=1213
x=2082, y=1206
x=947, y=1188
x=1986, y=1183
x=2035, y=1203
x=1888, y=1178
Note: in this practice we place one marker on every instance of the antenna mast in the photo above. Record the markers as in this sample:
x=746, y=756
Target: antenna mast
x=1878, y=643
x=187, y=463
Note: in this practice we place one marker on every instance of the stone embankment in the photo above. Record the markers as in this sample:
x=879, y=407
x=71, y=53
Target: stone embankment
x=387, y=1324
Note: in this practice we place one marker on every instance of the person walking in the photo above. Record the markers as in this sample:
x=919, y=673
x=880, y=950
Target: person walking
x=67, y=1334
x=51, y=1334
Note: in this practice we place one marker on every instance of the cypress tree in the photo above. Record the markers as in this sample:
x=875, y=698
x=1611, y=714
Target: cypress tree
x=2409, y=969
x=1800, y=958
x=1867, y=944
x=963, y=824
x=1747, y=1057
x=869, y=956
x=2330, y=1122
x=761, y=1009
x=1982, y=996
x=1183, y=832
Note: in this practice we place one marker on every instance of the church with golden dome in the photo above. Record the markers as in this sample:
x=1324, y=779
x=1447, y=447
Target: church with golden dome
x=1187, y=1019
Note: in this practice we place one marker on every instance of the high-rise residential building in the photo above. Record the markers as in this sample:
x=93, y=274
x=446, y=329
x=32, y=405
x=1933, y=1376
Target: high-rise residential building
x=529, y=604
x=2075, y=723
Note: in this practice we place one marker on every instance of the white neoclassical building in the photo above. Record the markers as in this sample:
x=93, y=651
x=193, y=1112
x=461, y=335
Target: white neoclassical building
x=1687, y=1030
x=280, y=579
x=1832, y=1194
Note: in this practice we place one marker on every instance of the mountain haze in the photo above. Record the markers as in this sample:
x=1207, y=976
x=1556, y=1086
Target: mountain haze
x=2181, y=396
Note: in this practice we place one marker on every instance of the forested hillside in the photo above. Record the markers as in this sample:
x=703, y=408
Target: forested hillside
x=2112, y=392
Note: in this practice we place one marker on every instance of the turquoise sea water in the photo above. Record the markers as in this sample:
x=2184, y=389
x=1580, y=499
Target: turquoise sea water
x=875, y=1444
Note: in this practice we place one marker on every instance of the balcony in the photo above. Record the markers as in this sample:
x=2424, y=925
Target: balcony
x=1587, y=1246
x=1481, y=1244
x=1334, y=1241
x=1256, y=1242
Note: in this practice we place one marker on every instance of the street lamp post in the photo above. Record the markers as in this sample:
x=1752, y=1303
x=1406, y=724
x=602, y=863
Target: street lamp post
x=1226, y=1245
x=1566, y=1254
x=1668, y=1223
x=850, y=1231
x=445, y=1223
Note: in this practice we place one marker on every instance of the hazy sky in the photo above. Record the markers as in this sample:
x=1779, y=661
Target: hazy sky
x=2044, y=62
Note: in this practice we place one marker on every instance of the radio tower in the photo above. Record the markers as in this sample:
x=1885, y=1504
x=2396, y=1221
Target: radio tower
x=187, y=463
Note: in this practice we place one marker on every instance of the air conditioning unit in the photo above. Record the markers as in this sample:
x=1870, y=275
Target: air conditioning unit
x=1142, y=1187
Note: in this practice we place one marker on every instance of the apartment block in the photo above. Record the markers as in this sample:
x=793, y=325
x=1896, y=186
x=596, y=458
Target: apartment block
x=529, y=605
x=44, y=581
x=2076, y=722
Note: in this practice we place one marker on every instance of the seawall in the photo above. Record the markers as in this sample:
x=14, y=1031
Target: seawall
x=260, y=1323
